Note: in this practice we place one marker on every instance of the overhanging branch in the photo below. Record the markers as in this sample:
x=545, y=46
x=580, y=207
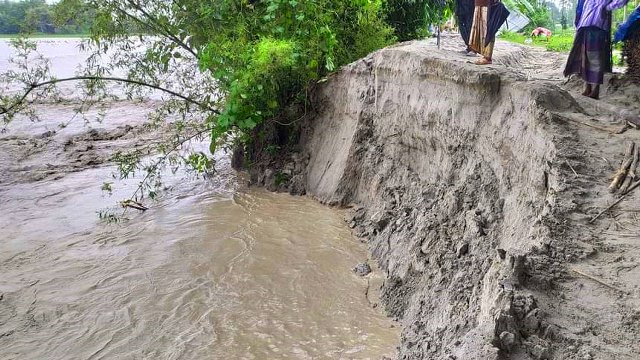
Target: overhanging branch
x=35, y=86
x=154, y=23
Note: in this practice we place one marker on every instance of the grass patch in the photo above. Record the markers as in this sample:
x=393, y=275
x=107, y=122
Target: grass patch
x=561, y=41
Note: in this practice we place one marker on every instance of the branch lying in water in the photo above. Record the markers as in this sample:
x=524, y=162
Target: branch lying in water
x=33, y=87
x=156, y=165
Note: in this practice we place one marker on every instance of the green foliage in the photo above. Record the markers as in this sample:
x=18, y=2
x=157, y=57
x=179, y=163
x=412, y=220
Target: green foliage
x=407, y=17
x=410, y=19
x=264, y=54
x=280, y=178
x=38, y=16
x=538, y=12
x=559, y=42
x=200, y=162
x=619, y=14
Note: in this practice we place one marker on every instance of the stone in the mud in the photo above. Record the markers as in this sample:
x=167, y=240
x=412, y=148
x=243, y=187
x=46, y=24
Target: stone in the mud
x=630, y=116
x=463, y=250
x=585, y=353
x=502, y=254
x=540, y=352
x=505, y=323
x=551, y=332
x=532, y=321
x=296, y=185
x=537, y=348
x=362, y=269
x=508, y=286
x=47, y=134
x=359, y=213
x=523, y=305
x=381, y=224
x=361, y=231
x=507, y=340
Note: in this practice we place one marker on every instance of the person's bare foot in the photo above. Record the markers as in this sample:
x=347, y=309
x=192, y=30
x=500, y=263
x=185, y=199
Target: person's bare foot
x=595, y=93
x=587, y=90
x=483, y=61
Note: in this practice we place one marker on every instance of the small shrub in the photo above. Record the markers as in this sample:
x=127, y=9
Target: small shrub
x=408, y=18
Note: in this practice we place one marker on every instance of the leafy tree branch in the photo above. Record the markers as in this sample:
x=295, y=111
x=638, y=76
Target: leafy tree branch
x=34, y=86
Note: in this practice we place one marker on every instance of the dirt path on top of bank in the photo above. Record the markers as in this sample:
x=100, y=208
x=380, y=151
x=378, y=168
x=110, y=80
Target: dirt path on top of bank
x=599, y=308
x=595, y=304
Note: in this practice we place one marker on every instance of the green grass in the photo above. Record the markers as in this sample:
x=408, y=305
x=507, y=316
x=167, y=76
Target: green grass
x=561, y=41
x=44, y=36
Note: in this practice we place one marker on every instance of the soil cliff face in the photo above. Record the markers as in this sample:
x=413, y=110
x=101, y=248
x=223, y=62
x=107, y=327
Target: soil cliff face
x=453, y=167
x=463, y=181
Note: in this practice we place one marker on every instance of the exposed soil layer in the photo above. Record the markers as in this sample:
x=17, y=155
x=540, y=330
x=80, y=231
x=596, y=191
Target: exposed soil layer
x=474, y=187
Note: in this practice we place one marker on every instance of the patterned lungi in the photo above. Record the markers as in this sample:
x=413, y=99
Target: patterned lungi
x=590, y=56
x=479, y=32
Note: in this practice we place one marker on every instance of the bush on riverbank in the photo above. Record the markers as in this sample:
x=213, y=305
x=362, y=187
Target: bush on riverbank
x=266, y=54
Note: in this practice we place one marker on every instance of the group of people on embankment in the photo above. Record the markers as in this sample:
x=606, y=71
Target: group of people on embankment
x=591, y=54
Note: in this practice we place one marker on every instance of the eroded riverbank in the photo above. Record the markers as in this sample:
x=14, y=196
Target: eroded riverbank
x=483, y=195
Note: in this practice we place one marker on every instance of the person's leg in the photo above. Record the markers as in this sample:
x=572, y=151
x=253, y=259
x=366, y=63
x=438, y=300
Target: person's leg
x=587, y=89
x=475, y=36
x=485, y=50
x=595, y=92
x=597, y=60
x=488, y=52
x=575, y=61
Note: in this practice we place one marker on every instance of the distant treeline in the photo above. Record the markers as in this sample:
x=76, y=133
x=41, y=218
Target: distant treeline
x=39, y=17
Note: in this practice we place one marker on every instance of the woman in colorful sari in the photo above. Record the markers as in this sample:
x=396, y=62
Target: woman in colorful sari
x=464, y=15
x=590, y=56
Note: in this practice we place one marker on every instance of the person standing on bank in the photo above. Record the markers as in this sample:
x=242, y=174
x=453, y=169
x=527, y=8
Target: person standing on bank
x=488, y=17
x=590, y=55
x=464, y=15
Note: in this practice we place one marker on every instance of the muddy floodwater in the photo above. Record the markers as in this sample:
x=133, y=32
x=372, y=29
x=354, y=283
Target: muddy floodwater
x=211, y=271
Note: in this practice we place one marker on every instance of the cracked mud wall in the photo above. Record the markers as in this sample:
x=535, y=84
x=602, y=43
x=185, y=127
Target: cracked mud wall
x=454, y=172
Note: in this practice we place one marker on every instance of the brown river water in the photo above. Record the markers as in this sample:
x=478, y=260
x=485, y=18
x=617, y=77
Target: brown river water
x=211, y=271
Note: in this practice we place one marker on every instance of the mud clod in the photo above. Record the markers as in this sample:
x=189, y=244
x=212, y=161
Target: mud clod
x=463, y=250
x=507, y=341
x=362, y=269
